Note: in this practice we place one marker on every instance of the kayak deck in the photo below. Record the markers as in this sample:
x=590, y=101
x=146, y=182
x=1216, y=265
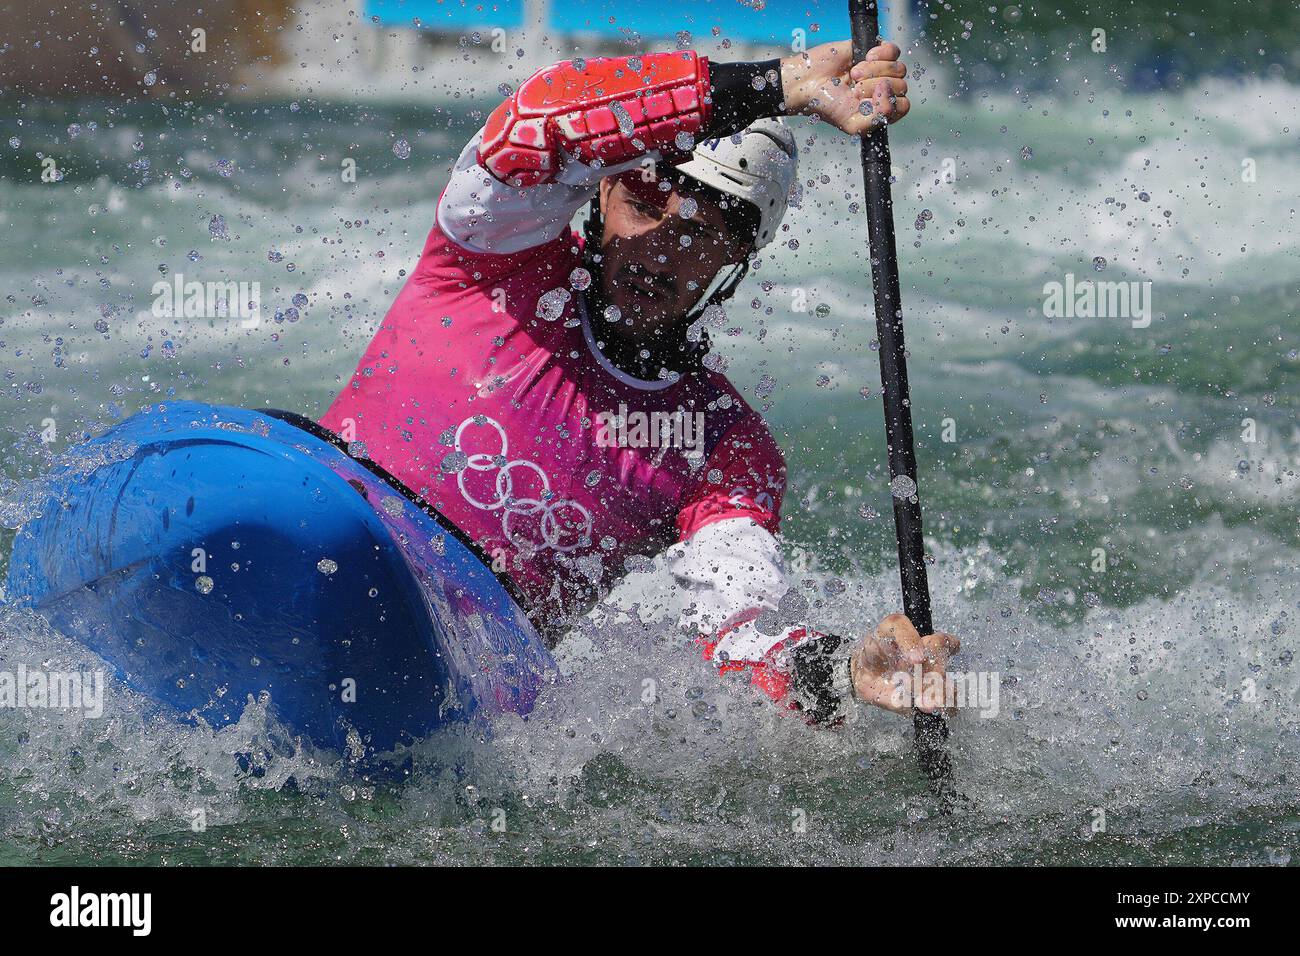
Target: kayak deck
x=213, y=555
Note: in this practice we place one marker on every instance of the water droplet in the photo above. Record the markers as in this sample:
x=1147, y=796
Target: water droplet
x=402, y=149
x=217, y=228
x=902, y=488
x=622, y=118
x=203, y=584
x=550, y=306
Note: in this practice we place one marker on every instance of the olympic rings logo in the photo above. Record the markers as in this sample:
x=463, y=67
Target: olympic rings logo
x=565, y=525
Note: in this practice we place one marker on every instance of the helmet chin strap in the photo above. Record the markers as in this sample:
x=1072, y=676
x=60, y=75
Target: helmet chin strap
x=723, y=286
x=593, y=227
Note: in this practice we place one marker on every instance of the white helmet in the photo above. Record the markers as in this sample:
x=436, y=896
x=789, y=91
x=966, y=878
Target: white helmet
x=756, y=164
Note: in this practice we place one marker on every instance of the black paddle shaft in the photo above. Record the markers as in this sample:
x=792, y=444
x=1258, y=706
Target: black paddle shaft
x=931, y=729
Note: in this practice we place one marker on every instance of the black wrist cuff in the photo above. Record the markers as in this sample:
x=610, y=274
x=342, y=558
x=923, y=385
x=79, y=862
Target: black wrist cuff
x=736, y=101
x=815, y=679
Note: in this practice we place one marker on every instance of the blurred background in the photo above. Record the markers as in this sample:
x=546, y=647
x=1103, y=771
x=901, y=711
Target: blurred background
x=384, y=48
x=302, y=147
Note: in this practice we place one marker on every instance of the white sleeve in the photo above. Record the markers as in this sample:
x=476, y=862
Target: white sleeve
x=738, y=599
x=480, y=213
x=735, y=581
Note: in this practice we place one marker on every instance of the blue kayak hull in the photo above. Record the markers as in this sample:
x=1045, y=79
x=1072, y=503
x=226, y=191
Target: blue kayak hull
x=216, y=555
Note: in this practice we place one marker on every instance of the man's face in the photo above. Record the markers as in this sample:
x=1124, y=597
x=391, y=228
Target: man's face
x=660, y=249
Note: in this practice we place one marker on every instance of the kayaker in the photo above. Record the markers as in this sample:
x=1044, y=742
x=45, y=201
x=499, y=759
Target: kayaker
x=554, y=396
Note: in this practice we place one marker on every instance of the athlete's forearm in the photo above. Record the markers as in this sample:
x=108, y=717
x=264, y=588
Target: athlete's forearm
x=803, y=671
x=732, y=574
x=571, y=125
x=607, y=111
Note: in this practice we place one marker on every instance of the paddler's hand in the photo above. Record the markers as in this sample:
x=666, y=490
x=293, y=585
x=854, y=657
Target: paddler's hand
x=825, y=82
x=884, y=665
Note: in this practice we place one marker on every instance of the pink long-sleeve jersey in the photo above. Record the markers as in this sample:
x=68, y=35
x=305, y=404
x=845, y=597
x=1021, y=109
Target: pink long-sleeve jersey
x=486, y=393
